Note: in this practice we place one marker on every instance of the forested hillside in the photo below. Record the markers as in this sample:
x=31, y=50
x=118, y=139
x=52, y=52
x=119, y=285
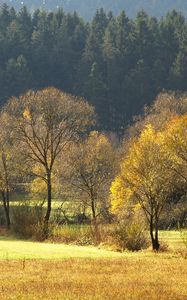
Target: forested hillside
x=87, y=8
x=118, y=64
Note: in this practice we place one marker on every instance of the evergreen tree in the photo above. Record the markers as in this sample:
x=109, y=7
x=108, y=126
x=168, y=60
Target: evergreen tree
x=18, y=76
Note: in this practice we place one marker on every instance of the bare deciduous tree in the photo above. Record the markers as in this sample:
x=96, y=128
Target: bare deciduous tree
x=89, y=170
x=44, y=123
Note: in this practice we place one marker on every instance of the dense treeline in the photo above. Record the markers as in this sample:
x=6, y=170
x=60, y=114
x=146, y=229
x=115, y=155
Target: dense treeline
x=86, y=8
x=117, y=63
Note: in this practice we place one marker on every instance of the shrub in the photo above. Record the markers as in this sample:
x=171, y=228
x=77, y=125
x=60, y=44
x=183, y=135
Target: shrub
x=76, y=234
x=27, y=221
x=106, y=232
x=131, y=235
x=129, y=230
x=164, y=247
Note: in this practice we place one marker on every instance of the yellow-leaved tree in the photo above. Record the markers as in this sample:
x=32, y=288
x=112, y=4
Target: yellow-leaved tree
x=145, y=179
x=175, y=143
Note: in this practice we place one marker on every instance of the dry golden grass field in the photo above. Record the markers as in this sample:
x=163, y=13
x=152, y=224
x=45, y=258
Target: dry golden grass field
x=100, y=275
x=136, y=277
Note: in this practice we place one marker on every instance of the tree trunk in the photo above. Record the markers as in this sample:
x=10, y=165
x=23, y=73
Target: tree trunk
x=48, y=212
x=154, y=237
x=5, y=197
x=8, y=209
x=157, y=244
x=96, y=233
x=93, y=209
x=5, y=193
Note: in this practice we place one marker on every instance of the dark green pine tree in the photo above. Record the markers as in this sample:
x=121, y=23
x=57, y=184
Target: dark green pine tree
x=95, y=91
x=71, y=39
x=93, y=50
x=119, y=58
x=178, y=71
x=141, y=80
x=93, y=62
x=17, y=77
x=6, y=17
x=25, y=31
x=171, y=37
x=42, y=51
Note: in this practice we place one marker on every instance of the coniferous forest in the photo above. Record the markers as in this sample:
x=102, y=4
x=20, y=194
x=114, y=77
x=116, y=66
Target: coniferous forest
x=117, y=63
x=87, y=8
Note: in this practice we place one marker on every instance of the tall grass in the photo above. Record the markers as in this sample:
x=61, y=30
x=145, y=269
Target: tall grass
x=76, y=234
x=158, y=277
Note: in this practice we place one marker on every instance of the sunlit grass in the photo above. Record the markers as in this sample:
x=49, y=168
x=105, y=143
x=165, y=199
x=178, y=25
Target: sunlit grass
x=15, y=249
x=33, y=271
x=12, y=248
x=172, y=238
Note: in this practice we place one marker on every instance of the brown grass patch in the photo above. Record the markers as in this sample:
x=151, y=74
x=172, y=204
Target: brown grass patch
x=157, y=277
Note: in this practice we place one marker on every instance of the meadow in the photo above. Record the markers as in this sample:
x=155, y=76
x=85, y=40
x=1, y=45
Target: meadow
x=32, y=270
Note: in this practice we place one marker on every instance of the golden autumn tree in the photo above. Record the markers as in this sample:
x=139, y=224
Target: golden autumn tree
x=166, y=106
x=175, y=137
x=89, y=166
x=145, y=179
x=44, y=123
